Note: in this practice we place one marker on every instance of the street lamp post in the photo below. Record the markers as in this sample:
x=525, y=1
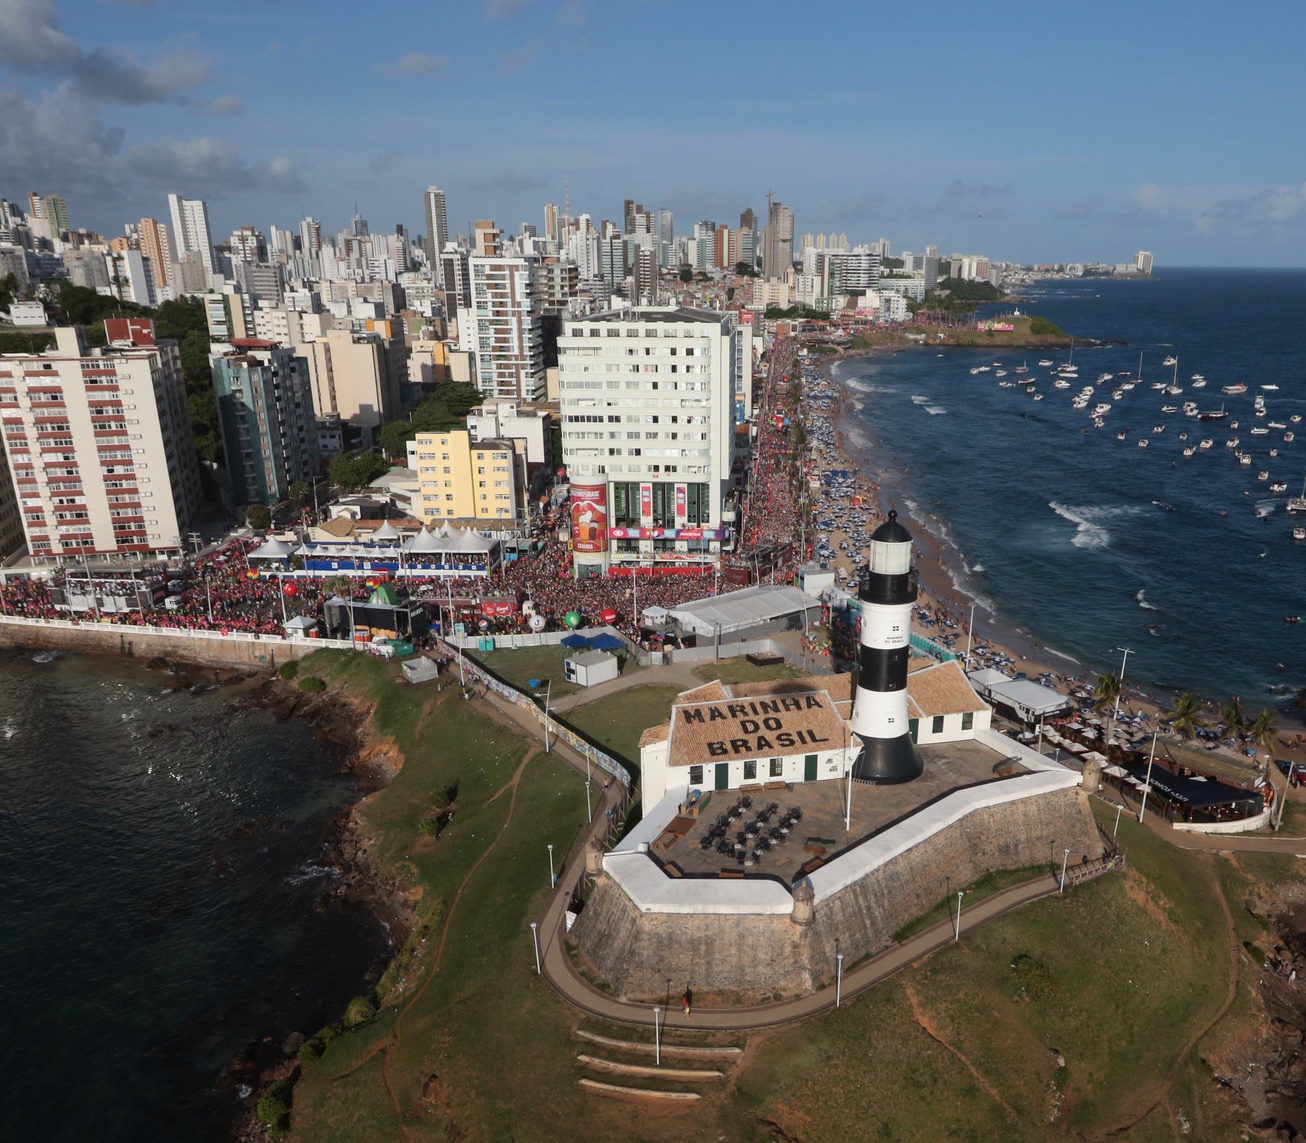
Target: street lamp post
x=657, y=1037
x=1064, y=861
x=957, y=935
x=838, y=979
x=535, y=938
x=1147, y=784
x=1115, y=829
x=553, y=877
x=1115, y=713
x=589, y=810
x=970, y=631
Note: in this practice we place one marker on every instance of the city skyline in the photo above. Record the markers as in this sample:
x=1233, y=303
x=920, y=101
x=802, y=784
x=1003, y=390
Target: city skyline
x=1033, y=135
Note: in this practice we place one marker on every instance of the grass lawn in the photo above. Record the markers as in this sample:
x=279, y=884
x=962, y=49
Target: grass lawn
x=616, y=722
x=740, y=670
x=950, y=1049
x=520, y=665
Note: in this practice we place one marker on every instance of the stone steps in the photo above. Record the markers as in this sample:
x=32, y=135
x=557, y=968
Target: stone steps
x=642, y=1071
x=648, y=1081
x=616, y=1091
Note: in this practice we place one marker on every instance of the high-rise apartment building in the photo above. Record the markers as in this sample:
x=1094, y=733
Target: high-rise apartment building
x=437, y=229
x=359, y=377
x=51, y=208
x=648, y=431
x=779, y=253
x=1143, y=261
x=504, y=333
x=99, y=444
x=156, y=245
x=265, y=406
x=191, y=232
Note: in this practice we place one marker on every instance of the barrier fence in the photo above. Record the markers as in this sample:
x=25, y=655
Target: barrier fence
x=556, y=730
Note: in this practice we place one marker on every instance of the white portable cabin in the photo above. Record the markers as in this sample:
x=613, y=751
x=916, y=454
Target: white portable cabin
x=590, y=668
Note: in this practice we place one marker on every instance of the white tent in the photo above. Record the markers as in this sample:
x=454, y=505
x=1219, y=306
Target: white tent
x=387, y=533
x=271, y=550
x=740, y=610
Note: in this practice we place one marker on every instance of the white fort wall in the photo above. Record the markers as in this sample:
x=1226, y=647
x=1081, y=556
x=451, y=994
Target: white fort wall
x=733, y=936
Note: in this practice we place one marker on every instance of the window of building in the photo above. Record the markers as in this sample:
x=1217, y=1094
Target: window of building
x=777, y=767
x=696, y=775
x=937, y=724
x=968, y=720
x=750, y=770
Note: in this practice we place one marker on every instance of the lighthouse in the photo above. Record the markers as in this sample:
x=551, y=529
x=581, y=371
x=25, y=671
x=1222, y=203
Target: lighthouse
x=879, y=719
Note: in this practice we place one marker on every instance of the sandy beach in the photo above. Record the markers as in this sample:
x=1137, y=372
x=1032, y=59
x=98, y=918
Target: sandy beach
x=995, y=640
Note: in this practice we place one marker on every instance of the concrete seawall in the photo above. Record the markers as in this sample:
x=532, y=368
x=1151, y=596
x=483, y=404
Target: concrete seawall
x=206, y=648
x=761, y=957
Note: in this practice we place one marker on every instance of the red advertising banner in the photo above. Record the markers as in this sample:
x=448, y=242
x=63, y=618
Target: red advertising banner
x=589, y=517
x=645, y=501
x=682, y=508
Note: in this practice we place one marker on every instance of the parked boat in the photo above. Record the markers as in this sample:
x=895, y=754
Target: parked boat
x=1213, y=414
x=1171, y=360
x=1142, y=442
x=1234, y=390
x=1298, y=503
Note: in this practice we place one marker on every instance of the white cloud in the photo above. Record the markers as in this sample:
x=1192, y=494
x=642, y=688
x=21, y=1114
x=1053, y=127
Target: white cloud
x=212, y=164
x=503, y=9
x=418, y=63
x=31, y=40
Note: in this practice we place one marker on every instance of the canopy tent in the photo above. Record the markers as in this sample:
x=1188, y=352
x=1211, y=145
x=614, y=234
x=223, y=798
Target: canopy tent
x=575, y=641
x=386, y=533
x=300, y=624
x=606, y=642
x=737, y=611
x=1029, y=700
x=1094, y=756
x=1189, y=791
x=271, y=550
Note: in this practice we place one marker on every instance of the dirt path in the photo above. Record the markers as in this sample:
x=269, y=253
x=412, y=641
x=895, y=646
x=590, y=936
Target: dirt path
x=927, y=1026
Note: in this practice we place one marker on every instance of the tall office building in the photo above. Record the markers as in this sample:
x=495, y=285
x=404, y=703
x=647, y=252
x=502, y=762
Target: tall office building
x=648, y=435
x=191, y=233
x=359, y=377
x=99, y=443
x=437, y=229
x=779, y=253
x=265, y=405
x=310, y=236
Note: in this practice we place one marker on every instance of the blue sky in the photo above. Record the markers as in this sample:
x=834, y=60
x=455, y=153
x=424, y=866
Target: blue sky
x=1025, y=131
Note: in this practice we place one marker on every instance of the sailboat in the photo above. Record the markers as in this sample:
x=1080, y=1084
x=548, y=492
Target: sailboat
x=1298, y=503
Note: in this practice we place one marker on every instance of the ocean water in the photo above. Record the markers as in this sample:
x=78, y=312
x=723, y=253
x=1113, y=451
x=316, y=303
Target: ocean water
x=159, y=866
x=1086, y=543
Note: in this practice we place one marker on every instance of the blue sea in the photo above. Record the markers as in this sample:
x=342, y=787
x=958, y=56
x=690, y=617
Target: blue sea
x=1085, y=543
x=161, y=868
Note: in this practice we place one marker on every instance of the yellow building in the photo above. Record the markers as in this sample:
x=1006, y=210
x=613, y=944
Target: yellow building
x=462, y=479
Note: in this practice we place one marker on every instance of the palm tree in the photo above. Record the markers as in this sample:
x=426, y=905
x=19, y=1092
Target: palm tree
x=1187, y=717
x=1262, y=731
x=1235, y=718
x=1107, y=690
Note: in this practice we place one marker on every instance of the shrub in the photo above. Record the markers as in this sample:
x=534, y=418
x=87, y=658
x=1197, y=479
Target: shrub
x=359, y=1011
x=312, y=685
x=310, y=1051
x=289, y=670
x=1040, y=327
x=274, y=1106
x=1033, y=978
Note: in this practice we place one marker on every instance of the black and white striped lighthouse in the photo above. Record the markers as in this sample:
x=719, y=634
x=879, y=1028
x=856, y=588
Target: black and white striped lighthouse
x=879, y=718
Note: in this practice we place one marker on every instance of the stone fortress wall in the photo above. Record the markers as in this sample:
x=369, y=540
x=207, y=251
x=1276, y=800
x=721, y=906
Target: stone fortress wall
x=757, y=958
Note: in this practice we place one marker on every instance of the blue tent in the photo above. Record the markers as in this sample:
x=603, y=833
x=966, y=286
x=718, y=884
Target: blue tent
x=575, y=641
x=606, y=642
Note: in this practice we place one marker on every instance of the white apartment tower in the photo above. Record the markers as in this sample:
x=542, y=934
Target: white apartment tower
x=648, y=428
x=99, y=444
x=503, y=328
x=437, y=229
x=191, y=232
